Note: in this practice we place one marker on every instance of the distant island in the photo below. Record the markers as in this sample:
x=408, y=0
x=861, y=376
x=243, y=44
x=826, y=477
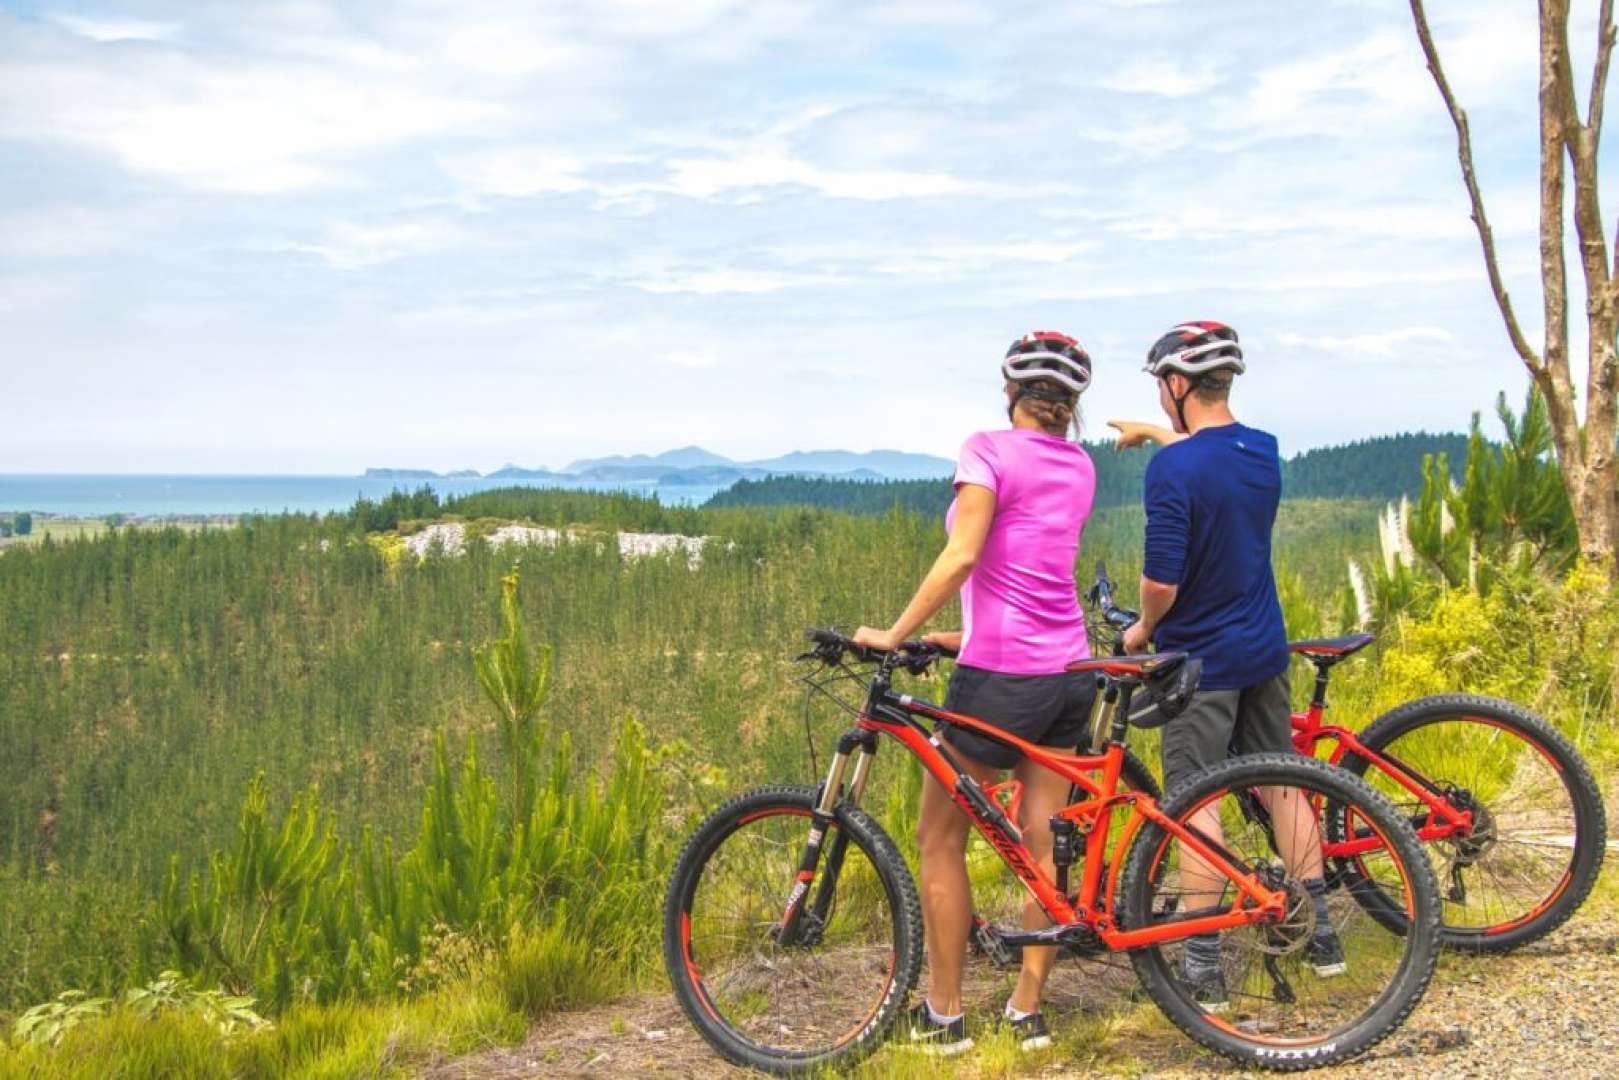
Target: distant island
x=692, y=465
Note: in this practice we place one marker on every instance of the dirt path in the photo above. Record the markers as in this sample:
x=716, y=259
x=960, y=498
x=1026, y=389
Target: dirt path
x=1550, y=1010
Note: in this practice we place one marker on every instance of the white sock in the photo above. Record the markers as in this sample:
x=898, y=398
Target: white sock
x=1015, y=1015
x=933, y=1015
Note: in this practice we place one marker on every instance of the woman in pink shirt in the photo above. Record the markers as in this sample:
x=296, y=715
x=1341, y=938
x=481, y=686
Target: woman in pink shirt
x=1023, y=495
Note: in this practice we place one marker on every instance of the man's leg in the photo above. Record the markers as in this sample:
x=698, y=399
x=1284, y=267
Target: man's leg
x=1198, y=737
x=1264, y=725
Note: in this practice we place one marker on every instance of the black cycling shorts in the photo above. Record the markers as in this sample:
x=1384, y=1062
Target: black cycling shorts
x=1047, y=710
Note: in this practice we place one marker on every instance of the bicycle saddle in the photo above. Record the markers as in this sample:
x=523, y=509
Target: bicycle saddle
x=1331, y=650
x=1169, y=681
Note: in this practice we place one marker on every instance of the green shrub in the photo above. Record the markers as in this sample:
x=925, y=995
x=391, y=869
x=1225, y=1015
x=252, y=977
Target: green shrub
x=546, y=968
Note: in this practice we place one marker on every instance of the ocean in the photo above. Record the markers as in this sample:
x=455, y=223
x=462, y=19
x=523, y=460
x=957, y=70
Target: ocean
x=94, y=496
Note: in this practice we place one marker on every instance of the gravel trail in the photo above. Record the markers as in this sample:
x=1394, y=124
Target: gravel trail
x=1549, y=1010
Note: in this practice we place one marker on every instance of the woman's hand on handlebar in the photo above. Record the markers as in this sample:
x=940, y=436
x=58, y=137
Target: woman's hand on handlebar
x=881, y=640
x=946, y=640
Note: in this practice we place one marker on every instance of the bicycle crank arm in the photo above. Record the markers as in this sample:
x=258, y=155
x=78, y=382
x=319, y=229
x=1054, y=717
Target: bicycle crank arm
x=1051, y=935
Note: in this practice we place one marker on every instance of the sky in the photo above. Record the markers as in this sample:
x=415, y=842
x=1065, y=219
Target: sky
x=317, y=237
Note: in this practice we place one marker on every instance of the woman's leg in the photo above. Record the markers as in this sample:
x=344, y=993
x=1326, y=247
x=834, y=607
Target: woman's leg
x=947, y=905
x=1044, y=793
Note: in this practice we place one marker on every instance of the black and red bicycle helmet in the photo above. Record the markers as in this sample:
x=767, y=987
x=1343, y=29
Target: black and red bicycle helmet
x=1195, y=348
x=1046, y=354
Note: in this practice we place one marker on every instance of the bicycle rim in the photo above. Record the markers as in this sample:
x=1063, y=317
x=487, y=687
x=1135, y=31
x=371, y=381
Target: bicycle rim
x=779, y=1001
x=1276, y=999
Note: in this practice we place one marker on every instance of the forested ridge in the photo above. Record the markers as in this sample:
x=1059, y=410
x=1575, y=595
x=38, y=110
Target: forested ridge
x=1384, y=467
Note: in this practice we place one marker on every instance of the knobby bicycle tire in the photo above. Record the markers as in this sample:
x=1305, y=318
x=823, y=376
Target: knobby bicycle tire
x=1588, y=844
x=685, y=969
x=1255, y=1048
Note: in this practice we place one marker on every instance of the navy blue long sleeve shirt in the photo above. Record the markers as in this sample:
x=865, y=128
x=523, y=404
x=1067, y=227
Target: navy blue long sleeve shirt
x=1211, y=502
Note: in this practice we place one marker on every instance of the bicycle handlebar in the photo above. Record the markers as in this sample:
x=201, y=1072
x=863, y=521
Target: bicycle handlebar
x=831, y=647
x=1101, y=596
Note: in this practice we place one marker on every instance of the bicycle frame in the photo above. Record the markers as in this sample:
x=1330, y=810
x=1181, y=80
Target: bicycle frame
x=896, y=715
x=1309, y=728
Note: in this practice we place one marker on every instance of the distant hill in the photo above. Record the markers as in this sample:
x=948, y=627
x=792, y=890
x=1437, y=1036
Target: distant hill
x=686, y=457
x=894, y=464
x=517, y=472
x=401, y=474
x=1380, y=468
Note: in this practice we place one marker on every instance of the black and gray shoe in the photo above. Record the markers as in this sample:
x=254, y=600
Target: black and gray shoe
x=1031, y=1032
x=1325, y=954
x=932, y=1037
x=1207, y=984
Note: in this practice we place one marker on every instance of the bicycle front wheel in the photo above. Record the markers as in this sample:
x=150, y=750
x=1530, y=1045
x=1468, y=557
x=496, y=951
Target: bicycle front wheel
x=1323, y=984
x=831, y=992
x=1539, y=827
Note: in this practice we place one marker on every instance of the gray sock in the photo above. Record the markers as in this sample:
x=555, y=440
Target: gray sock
x=1203, y=951
x=1317, y=888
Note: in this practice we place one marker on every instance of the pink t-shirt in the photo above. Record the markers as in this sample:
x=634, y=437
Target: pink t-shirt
x=1020, y=610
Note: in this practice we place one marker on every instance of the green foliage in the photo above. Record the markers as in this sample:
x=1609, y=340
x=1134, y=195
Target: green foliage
x=309, y=1042
x=44, y=1025
x=1507, y=521
x=514, y=680
x=226, y=1014
x=295, y=915
x=22, y=524
x=1384, y=467
x=927, y=497
x=546, y=968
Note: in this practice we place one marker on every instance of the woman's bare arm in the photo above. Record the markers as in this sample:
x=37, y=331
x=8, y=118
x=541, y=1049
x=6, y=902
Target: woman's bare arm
x=975, y=511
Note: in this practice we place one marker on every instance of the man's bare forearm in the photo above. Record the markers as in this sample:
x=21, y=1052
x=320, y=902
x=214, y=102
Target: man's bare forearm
x=1156, y=600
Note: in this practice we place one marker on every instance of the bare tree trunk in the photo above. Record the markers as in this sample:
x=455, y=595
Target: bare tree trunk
x=1585, y=453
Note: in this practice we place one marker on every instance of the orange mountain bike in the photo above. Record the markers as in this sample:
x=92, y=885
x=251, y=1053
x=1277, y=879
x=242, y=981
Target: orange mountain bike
x=793, y=931
x=1508, y=810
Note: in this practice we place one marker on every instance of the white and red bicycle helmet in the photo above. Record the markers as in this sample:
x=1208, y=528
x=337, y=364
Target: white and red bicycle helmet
x=1196, y=348
x=1046, y=354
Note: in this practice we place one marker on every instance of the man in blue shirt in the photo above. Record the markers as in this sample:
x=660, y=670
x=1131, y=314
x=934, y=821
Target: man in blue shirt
x=1207, y=588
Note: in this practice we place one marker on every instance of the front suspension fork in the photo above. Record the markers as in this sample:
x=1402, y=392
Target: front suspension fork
x=801, y=925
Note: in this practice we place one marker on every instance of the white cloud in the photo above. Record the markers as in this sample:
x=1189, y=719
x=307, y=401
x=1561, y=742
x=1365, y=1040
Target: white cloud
x=1166, y=75
x=115, y=29
x=1380, y=346
x=355, y=246
x=716, y=282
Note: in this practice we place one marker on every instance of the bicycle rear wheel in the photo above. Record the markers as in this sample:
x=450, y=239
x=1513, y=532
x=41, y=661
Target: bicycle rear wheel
x=1272, y=998
x=823, y=999
x=1539, y=827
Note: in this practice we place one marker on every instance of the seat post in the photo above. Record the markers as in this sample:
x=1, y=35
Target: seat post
x=1322, y=666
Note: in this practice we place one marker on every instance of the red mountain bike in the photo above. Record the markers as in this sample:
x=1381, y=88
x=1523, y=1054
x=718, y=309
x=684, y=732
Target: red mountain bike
x=793, y=932
x=1510, y=813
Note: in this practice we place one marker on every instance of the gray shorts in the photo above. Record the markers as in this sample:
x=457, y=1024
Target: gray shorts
x=1224, y=723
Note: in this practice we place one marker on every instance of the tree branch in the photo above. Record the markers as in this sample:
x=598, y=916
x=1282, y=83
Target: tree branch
x=1556, y=107
x=1599, y=77
x=1464, y=153
x=1581, y=141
